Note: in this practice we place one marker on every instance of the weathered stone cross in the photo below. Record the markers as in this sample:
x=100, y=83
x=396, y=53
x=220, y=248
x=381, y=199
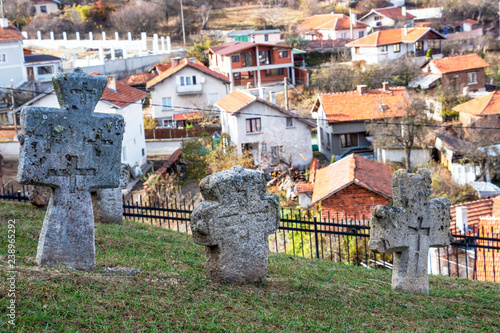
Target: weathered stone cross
x=72, y=150
x=233, y=223
x=410, y=228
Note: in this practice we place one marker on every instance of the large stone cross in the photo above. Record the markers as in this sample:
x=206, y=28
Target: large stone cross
x=74, y=151
x=234, y=223
x=408, y=229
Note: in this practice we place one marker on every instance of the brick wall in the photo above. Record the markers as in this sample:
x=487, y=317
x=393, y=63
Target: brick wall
x=462, y=80
x=351, y=200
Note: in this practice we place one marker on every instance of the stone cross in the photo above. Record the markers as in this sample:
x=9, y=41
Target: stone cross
x=74, y=151
x=233, y=223
x=408, y=229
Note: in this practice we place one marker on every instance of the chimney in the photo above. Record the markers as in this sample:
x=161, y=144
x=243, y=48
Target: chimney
x=262, y=94
x=354, y=19
x=5, y=23
x=403, y=11
x=385, y=86
x=461, y=217
x=361, y=89
x=176, y=61
x=272, y=97
x=112, y=83
x=253, y=38
x=405, y=29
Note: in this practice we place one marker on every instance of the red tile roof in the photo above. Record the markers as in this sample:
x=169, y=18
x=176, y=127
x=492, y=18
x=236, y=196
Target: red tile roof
x=475, y=210
x=361, y=171
x=330, y=22
x=238, y=100
x=186, y=63
x=459, y=63
x=394, y=36
x=124, y=95
x=137, y=79
x=304, y=188
x=481, y=106
x=395, y=13
x=351, y=106
x=470, y=21
x=10, y=33
x=162, y=67
x=187, y=116
x=238, y=46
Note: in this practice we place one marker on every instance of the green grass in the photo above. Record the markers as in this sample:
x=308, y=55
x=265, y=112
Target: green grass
x=172, y=294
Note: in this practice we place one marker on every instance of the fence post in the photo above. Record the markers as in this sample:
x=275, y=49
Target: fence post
x=154, y=133
x=316, y=237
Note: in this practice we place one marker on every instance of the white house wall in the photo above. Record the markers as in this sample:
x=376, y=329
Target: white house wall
x=13, y=68
x=386, y=22
x=372, y=54
x=337, y=34
x=418, y=156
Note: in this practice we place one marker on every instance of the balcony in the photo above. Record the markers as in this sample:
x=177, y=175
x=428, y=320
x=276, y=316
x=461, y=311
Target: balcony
x=422, y=53
x=189, y=89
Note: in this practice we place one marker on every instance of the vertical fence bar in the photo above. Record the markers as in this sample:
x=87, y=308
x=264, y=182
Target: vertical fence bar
x=316, y=237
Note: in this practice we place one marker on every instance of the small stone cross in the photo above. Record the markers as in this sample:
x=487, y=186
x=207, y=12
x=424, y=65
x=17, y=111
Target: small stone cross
x=410, y=228
x=74, y=151
x=233, y=223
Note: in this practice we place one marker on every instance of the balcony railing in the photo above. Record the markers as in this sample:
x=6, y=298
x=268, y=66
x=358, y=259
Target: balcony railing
x=422, y=53
x=189, y=89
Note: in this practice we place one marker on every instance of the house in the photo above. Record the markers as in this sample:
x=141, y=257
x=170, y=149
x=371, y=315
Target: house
x=254, y=64
x=11, y=55
x=485, y=108
x=254, y=36
x=386, y=45
x=425, y=16
x=40, y=68
x=44, y=7
x=270, y=133
x=332, y=27
x=351, y=187
x=139, y=81
x=389, y=17
x=304, y=191
x=461, y=74
x=117, y=98
x=342, y=117
x=185, y=86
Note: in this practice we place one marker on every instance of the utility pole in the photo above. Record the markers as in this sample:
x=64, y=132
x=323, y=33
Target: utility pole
x=183, y=30
x=13, y=101
x=286, y=94
x=1, y=6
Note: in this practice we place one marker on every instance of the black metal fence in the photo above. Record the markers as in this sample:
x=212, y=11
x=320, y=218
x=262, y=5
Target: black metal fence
x=472, y=255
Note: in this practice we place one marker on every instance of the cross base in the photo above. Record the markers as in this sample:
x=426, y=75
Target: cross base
x=67, y=236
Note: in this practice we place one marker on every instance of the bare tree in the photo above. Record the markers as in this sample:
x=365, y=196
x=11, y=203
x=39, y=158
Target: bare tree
x=204, y=12
x=137, y=18
x=408, y=131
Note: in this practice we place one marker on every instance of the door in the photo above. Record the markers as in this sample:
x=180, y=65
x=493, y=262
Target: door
x=31, y=75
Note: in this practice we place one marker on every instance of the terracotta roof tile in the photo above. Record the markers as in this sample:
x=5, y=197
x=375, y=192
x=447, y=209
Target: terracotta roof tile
x=10, y=33
x=394, y=13
x=185, y=63
x=350, y=106
x=470, y=21
x=369, y=174
x=304, y=188
x=481, y=106
x=137, y=79
x=475, y=210
x=124, y=95
x=330, y=22
x=394, y=36
x=460, y=63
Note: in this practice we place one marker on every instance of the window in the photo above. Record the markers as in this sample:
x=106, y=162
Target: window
x=472, y=77
x=212, y=98
x=265, y=57
x=194, y=79
x=328, y=141
x=356, y=50
x=361, y=34
x=253, y=125
x=43, y=9
x=124, y=153
x=134, y=141
x=182, y=81
x=143, y=151
x=44, y=70
x=348, y=140
x=166, y=103
x=3, y=58
x=246, y=75
x=397, y=48
x=188, y=80
x=235, y=58
x=274, y=72
x=383, y=48
x=343, y=35
x=289, y=121
x=266, y=38
x=377, y=18
x=168, y=123
x=283, y=54
x=247, y=59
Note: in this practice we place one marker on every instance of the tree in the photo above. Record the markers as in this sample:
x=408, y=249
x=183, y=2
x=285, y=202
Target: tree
x=408, y=131
x=204, y=12
x=137, y=18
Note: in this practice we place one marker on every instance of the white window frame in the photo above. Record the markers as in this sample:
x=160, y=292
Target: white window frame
x=383, y=49
x=3, y=58
x=472, y=78
x=165, y=105
x=398, y=47
x=343, y=35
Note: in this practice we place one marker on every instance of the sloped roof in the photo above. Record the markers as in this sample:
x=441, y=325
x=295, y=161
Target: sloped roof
x=394, y=36
x=10, y=33
x=459, y=63
x=137, y=79
x=186, y=63
x=470, y=21
x=330, y=22
x=353, y=169
x=481, y=106
x=351, y=106
x=161, y=67
x=237, y=46
x=124, y=95
x=252, y=32
x=395, y=13
x=475, y=210
x=40, y=58
x=238, y=100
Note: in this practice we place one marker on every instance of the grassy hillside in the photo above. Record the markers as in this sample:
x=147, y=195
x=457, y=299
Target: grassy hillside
x=172, y=294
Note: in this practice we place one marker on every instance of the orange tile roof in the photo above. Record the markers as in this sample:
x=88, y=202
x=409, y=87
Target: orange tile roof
x=330, y=22
x=186, y=63
x=124, y=95
x=475, y=210
x=304, y=188
x=237, y=100
x=394, y=13
x=162, y=67
x=353, y=169
x=470, y=21
x=481, y=106
x=394, y=36
x=137, y=79
x=351, y=106
x=10, y=33
x=459, y=63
